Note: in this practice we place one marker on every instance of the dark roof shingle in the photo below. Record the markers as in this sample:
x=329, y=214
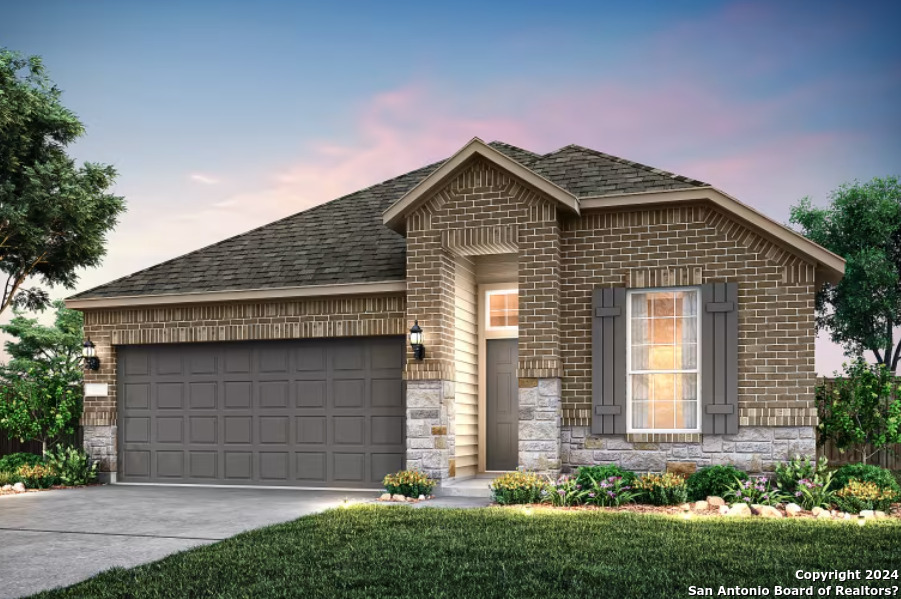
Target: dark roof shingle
x=344, y=241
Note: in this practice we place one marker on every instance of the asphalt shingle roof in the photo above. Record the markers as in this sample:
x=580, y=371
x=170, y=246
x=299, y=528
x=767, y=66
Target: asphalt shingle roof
x=345, y=241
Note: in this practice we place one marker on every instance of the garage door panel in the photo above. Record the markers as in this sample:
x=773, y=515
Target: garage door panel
x=349, y=430
x=274, y=394
x=349, y=467
x=310, y=466
x=349, y=393
x=239, y=465
x=238, y=394
x=310, y=430
x=322, y=412
x=170, y=396
x=202, y=430
x=310, y=394
x=202, y=395
x=137, y=429
x=170, y=464
x=169, y=429
x=136, y=396
x=203, y=465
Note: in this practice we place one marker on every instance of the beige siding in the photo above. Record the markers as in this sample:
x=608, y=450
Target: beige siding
x=466, y=418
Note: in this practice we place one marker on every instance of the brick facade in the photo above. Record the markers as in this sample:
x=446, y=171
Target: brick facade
x=561, y=259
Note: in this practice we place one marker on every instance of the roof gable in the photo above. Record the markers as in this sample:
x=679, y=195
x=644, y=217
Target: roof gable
x=395, y=215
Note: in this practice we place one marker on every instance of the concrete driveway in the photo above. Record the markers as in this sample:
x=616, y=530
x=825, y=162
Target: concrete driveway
x=57, y=538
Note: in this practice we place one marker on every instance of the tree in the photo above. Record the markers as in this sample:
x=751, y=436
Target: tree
x=42, y=392
x=53, y=350
x=861, y=411
x=863, y=225
x=54, y=215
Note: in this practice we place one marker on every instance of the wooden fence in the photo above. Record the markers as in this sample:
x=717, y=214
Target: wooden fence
x=887, y=458
x=8, y=446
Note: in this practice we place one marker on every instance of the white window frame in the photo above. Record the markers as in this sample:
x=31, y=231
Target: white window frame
x=504, y=291
x=629, y=372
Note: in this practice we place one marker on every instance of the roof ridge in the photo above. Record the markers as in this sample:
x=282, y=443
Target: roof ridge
x=509, y=145
x=636, y=164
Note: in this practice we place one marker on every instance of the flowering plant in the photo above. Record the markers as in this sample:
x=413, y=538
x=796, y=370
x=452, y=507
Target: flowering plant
x=610, y=492
x=409, y=483
x=756, y=490
x=814, y=492
x=662, y=489
x=857, y=496
x=567, y=491
x=519, y=487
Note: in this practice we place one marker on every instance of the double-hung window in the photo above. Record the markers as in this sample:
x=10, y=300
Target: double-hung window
x=663, y=386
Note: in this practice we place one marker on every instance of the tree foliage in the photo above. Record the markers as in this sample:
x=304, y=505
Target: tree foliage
x=861, y=412
x=863, y=225
x=42, y=393
x=54, y=215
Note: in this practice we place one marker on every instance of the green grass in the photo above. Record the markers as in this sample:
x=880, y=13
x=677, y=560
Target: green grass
x=378, y=551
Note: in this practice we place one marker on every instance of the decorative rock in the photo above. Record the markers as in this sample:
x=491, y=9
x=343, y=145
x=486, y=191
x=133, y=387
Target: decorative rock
x=817, y=511
x=844, y=515
x=792, y=510
x=421, y=497
x=685, y=506
x=724, y=510
x=824, y=515
x=385, y=497
x=739, y=509
x=700, y=506
x=19, y=487
x=6, y=488
x=398, y=497
x=880, y=514
x=867, y=514
x=767, y=511
x=714, y=501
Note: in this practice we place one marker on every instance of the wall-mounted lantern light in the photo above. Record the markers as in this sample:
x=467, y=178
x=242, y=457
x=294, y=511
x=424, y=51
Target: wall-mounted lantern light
x=416, y=341
x=91, y=361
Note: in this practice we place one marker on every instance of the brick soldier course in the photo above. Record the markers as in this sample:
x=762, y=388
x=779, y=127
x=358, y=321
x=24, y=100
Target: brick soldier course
x=573, y=221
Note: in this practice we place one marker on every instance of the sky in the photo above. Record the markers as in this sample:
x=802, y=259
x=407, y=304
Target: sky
x=223, y=116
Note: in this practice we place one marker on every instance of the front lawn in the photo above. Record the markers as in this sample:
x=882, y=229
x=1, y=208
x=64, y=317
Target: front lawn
x=379, y=551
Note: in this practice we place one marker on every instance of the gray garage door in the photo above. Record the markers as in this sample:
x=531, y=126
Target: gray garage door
x=307, y=413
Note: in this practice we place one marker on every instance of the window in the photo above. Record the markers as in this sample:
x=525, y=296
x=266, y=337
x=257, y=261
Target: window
x=503, y=309
x=662, y=364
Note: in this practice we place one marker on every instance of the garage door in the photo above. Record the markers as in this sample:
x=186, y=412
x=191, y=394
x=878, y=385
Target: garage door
x=324, y=413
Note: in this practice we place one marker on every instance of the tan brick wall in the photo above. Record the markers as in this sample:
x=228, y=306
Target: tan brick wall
x=485, y=211
x=688, y=246
x=282, y=319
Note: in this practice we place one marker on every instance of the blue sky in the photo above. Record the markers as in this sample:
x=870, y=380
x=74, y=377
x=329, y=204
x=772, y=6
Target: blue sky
x=224, y=116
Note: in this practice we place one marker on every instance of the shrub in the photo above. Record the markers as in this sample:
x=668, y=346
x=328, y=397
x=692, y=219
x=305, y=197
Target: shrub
x=38, y=476
x=789, y=474
x=713, y=480
x=755, y=491
x=567, y=491
x=409, y=483
x=13, y=461
x=815, y=492
x=519, y=487
x=72, y=466
x=587, y=474
x=610, y=492
x=9, y=478
x=866, y=473
x=857, y=496
x=662, y=489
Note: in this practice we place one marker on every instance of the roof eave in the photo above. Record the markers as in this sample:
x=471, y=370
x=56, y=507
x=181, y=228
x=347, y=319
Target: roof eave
x=394, y=216
x=830, y=266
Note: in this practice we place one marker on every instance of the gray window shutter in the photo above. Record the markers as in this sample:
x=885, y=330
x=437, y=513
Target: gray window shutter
x=719, y=359
x=608, y=362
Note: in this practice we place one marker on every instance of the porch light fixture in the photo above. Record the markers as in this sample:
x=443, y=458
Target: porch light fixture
x=91, y=361
x=416, y=341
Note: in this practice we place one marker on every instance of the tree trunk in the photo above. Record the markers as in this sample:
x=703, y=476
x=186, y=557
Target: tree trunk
x=44, y=448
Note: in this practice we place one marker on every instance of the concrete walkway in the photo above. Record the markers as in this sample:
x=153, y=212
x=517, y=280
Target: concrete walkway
x=57, y=538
